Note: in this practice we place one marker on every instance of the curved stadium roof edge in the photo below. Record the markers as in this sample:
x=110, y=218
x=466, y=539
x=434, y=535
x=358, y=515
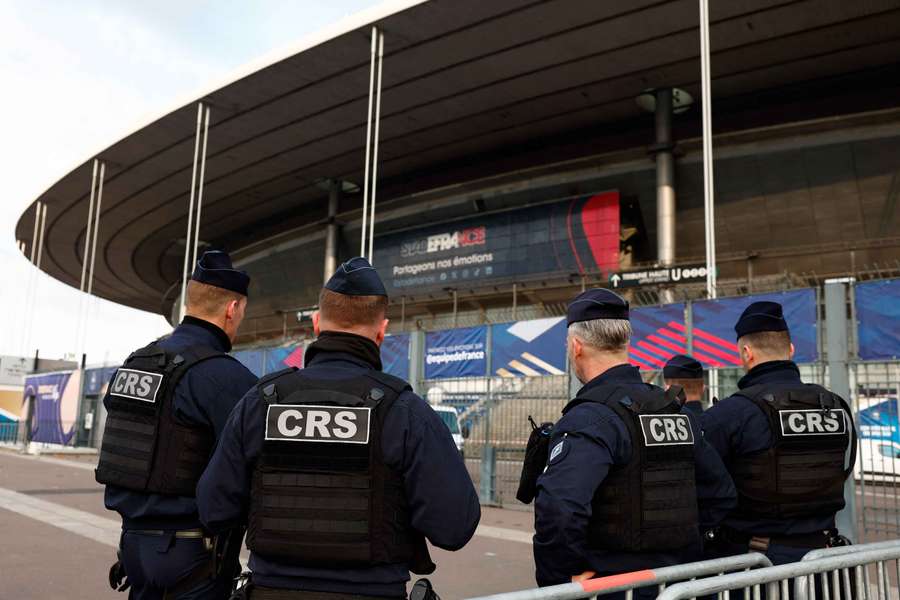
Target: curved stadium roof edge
x=475, y=93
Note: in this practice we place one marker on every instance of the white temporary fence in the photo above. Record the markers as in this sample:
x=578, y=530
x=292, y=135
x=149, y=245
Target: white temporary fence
x=777, y=580
x=830, y=587
x=628, y=582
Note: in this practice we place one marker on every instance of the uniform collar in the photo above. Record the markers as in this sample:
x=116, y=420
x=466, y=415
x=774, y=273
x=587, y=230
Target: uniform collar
x=340, y=345
x=209, y=332
x=616, y=375
x=773, y=371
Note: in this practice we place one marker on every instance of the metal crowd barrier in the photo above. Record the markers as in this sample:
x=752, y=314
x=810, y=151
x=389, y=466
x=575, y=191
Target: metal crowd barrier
x=777, y=580
x=627, y=582
x=805, y=587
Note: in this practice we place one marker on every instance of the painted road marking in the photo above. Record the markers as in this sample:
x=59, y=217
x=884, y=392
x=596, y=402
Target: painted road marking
x=502, y=533
x=99, y=529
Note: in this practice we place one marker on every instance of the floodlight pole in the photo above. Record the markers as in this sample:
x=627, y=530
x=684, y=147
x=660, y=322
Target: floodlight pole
x=365, y=211
x=708, y=187
x=375, y=144
x=187, y=236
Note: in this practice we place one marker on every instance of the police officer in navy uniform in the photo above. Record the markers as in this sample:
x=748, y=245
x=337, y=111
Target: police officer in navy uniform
x=167, y=406
x=784, y=443
x=630, y=481
x=686, y=372
x=340, y=470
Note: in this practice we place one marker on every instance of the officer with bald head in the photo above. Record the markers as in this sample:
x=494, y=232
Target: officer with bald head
x=340, y=471
x=621, y=451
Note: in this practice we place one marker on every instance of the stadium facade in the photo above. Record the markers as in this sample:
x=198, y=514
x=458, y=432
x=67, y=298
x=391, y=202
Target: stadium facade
x=518, y=162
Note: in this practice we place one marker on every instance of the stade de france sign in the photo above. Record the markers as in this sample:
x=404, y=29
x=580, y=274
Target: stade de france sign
x=658, y=276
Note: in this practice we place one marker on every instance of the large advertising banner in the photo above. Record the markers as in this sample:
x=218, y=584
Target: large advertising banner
x=529, y=348
x=658, y=334
x=572, y=236
x=55, y=401
x=395, y=355
x=878, y=313
x=714, y=339
x=456, y=353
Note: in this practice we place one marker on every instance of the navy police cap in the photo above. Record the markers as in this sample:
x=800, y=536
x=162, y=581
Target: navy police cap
x=682, y=366
x=760, y=316
x=597, y=303
x=214, y=268
x=356, y=277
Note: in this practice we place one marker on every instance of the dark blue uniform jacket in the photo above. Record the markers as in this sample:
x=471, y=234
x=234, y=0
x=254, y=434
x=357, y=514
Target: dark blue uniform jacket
x=442, y=500
x=737, y=427
x=205, y=395
x=597, y=439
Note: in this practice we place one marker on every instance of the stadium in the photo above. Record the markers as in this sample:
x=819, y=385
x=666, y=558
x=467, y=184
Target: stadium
x=494, y=159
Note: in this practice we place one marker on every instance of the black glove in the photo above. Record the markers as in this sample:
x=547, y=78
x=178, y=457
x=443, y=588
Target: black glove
x=118, y=579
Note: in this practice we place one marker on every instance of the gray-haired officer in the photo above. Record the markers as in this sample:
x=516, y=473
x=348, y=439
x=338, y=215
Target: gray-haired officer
x=629, y=482
x=784, y=442
x=687, y=373
x=167, y=406
x=341, y=470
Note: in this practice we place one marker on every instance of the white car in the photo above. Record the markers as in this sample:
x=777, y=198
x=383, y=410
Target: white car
x=450, y=418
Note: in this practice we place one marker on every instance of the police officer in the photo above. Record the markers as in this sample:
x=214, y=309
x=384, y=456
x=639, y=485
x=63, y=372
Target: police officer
x=167, y=406
x=686, y=372
x=784, y=443
x=341, y=470
x=627, y=467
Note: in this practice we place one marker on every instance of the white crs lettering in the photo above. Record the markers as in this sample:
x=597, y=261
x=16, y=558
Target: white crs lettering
x=664, y=430
x=318, y=423
x=812, y=422
x=136, y=384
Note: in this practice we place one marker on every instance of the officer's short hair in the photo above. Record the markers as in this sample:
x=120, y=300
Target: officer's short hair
x=770, y=343
x=692, y=387
x=610, y=335
x=351, y=311
x=205, y=299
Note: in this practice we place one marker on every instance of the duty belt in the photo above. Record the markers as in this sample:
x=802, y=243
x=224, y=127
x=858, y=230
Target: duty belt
x=759, y=543
x=258, y=592
x=191, y=534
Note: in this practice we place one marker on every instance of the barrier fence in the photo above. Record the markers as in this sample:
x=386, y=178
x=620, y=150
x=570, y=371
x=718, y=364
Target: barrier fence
x=628, y=582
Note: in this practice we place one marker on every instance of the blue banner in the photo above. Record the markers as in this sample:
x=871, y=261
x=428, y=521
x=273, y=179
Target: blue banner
x=529, y=348
x=714, y=339
x=456, y=353
x=55, y=401
x=658, y=335
x=262, y=361
x=878, y=314
x=395, y=355
x=95, y=380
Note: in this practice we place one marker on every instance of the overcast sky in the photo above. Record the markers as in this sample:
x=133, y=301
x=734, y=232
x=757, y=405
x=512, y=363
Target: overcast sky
x=76, y=76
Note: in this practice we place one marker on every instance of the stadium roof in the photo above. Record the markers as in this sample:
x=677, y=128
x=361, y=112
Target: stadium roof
x=472, y=90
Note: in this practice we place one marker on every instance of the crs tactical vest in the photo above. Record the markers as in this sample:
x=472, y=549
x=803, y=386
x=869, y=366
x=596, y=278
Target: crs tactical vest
x=650, y=503
x=321, y=494
x=803, y=473
x=145, y=448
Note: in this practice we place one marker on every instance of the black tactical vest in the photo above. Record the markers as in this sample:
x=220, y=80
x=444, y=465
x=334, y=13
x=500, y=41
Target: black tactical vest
x=650, y=503
x=803, y=473
x=145, y=448
x=322, y=495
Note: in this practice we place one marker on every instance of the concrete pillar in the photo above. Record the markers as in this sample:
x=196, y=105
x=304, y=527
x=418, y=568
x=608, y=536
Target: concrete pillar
x=839, y=374
x=665, y=184
x=331, y=231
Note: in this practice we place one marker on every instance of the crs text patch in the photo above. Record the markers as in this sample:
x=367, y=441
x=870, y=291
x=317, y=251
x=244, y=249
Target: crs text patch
x=813, y=422
x=136, y=385
x=666, y=430
x=305, y=423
